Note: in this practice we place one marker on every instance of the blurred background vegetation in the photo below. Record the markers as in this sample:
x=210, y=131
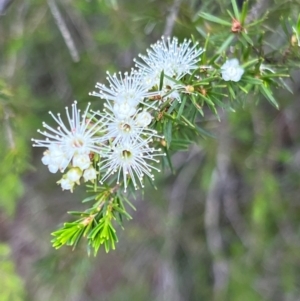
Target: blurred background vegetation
x=225, y=226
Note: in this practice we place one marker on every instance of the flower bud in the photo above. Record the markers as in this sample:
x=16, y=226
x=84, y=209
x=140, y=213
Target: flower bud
x=74, y=175
x=66, y=184
x=46, y=158
x=294, y=40
x=123, y=110
x=82, y=161
x=189, y=89
x=90, y=174
x=143, y=119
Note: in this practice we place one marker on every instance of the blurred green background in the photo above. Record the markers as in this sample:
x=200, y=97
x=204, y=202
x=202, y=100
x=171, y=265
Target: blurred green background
x=225, y=226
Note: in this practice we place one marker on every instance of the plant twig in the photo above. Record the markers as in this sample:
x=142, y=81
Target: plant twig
x=168, y=283
x=212, y=215
x=64, y=30
x=171, y=18
x=8, y=130
x=257, y=10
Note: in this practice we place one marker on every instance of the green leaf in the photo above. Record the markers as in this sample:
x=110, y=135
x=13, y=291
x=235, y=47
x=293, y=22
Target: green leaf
x=180, y=144
x=210, y=103
x=231, y=91
x=168, y=160
x=230, y=14
x=247, y=38
x=90, y=198
x=214, y=19
x=173, y=106
x=244, y=12
x=196, y=105
x=78, y=213
x=168, y=124
x=250, y=63
x=252, y=80
x=284, y=25
x=226, y=43
x=192, y=126
x=268, y=94
x=204, y=133
x=235, y=9
x=182, y=105
x=298, y=24
x=161, y=80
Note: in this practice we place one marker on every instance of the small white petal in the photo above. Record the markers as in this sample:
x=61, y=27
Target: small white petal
x=90, y=174
x=123, y=110
x=46, y=158
x=57, y=157
x=74, y=175
x=53, y=168
x=231, y=70
x=82, y=161
x=143, y=119
x=66, y=184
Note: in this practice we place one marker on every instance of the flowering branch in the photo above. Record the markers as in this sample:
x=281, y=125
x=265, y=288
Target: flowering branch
x=151, y=112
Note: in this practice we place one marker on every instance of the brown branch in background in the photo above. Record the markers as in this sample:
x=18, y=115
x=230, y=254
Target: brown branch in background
x=222, y=190
x=171, y=18
x=257, y=10
x=83, y=29
x=168, y=276
x=64, y=30
x=212, y=214
x=168, y=281
x=16, y=31
x=36, y=20
x=8, y=130
x=233, y=213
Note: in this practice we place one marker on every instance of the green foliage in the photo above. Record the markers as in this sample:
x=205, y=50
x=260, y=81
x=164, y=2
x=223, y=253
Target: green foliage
x=14, y=152
x=204, y=91
x=96, y=223
x=259, y=227
x=11, y=286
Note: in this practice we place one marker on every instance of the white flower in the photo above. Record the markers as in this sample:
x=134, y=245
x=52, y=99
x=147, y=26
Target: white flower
x=90, y=174
x=121, y=130
x=66, y=184
x=53, y=168
x=74, y=175
x=123, y=110
x=174, y=59
x=82, y=161
x=231, y=70
x=55, y=158
x=129, y=159
x=143, y=119
x=78, y=137
x=46, y=159
x=127, y=89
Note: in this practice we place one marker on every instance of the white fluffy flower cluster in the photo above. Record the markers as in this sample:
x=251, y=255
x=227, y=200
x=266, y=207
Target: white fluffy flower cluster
x=127, y=137
x=130, y=99
x=119, y=136
x=70, y=146
x=172, y=59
